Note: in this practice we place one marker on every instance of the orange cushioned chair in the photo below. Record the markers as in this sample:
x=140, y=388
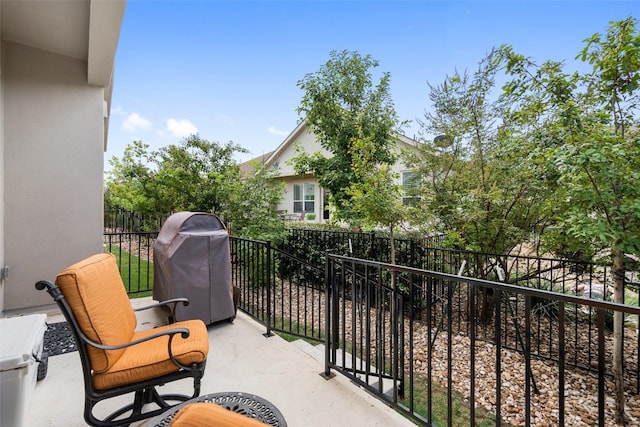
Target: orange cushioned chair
x=117, y=359
x=210, y=414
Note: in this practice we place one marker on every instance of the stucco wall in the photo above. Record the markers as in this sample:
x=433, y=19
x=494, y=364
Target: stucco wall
x=53, y=157
x=2, y=168
x=307, y=142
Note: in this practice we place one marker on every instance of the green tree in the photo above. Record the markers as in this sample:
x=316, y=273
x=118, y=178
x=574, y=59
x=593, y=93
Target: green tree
x=252, y=205
x=591, y=137
x=198, y=175
x=477, y=182
x=129, y=184
x=376, y=197
x=341, y=104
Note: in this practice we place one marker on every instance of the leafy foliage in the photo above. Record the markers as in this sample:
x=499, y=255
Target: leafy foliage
x=479, y=181
x=252, y=206
x=588, y=132
x=129, y=185
x=342, y=105
x=591, y=136
x=196, y=175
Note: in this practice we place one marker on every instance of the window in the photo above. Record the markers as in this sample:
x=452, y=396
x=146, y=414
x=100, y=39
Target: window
x=303, y=198
x=410, y=184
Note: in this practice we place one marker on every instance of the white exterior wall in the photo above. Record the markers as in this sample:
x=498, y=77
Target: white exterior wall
x=53, y=160
x=287, y=201
x=399, y=167
x=308, y=143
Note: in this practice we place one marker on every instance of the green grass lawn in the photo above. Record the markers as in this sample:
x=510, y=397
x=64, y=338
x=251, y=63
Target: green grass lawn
x=460, y=412
x=137, y=274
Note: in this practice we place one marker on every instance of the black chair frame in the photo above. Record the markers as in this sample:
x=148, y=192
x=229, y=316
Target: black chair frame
x=145, y=391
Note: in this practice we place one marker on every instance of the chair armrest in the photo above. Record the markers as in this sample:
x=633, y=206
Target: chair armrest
x=170, y=332
x=173, y=301
x=170, y=304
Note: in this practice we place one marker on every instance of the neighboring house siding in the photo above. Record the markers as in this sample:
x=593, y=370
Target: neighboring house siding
x=281, y=159
x=293, y=206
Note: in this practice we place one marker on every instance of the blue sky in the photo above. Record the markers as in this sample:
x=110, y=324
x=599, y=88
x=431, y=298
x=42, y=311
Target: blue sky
x=228, y=70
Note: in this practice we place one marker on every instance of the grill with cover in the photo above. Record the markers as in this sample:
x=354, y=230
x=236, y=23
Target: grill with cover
x=191, y=259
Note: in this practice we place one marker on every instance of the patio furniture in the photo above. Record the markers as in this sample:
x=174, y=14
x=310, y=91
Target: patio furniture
x=249, y=405
x=295, y=216
x=116, y=359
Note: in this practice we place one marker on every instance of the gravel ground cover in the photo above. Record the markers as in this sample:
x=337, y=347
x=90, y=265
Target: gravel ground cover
x=580, y=387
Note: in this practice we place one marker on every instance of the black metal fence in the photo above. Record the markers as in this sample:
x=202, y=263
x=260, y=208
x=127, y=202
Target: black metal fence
x=444, y=363
x=134, y=254
x=401, y=331
x=121, y=220
x=277, y=289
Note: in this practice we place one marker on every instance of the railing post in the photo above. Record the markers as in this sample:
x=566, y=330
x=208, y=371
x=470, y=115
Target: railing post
x=601, y=367
x=394, y=333
x=472, y=345
x=328, y=325
x=269, y=289
x=498, y=347
x=527, y=362
x=561, y=360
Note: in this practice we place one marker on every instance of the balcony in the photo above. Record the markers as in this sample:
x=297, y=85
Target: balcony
x=241, y=359
x=405, y=335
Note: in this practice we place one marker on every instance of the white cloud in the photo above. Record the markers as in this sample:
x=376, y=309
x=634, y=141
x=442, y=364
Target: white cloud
x=181, y=128
x=274, y=131
x=118, y=110
x=135, y=121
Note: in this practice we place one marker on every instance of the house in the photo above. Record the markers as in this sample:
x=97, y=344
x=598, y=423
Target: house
x=302, y=193
x=56, y=74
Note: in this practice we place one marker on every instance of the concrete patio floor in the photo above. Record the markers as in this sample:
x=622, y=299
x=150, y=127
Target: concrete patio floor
x=240, y=359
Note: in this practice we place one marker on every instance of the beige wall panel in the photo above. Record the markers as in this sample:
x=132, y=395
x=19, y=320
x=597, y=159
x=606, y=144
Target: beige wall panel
x=53, y=169
x=2, y=168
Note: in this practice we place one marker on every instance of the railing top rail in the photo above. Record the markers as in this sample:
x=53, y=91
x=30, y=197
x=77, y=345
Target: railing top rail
x=466, y=253
x=245, y=239
x=296, y=259
x=607, y=305
x=120, y=233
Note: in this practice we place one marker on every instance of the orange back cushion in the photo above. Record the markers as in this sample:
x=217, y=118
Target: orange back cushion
x=95, y=292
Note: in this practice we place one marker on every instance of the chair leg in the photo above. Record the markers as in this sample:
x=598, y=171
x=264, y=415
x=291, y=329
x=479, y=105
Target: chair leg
x=196, y=385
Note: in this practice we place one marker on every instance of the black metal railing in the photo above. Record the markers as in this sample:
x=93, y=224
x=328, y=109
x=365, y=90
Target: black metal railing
x=277, y=289
x=134, y=254
x=120, y=220
x=403, y=357
x=386, y=323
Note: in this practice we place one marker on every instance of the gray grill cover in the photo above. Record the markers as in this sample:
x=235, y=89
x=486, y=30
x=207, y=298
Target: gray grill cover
x=191, y=259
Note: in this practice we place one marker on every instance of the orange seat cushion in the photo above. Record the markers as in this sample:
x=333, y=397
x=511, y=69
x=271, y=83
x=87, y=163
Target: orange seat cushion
x=150, y=359
x=210, y=414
